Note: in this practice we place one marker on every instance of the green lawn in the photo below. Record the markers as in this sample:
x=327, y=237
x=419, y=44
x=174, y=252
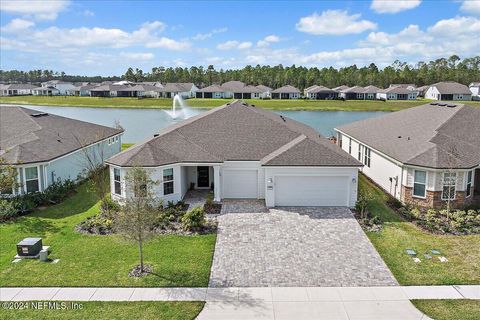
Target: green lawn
x=449, y=309
x=463, y=252
x=125, y=146
x=327, y=105
x=113, y=311
x=87, y=260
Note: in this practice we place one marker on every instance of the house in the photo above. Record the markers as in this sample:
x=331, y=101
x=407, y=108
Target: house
x=111, y=90
x=46, y=148
x=448, y=90
x=242, y=152
x=421, y=91
x=45, y=91
x=308, y=89
x=214, y=91
x=286, y=92
x=138, y=90
x=353, y=93
x=265, y=92
x=397, y=93
x=370, y=92
x=340, y=88
x=82, y=90
x=16, y=89
x=61, y=86
x=424, y=155
x=321, y=93
x=475, y=90
x=409, y=86
x=184, y=90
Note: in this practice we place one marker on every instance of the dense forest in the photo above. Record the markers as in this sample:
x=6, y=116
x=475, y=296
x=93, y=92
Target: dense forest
x=453, y=68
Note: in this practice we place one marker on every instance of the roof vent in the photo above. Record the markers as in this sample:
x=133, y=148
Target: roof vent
x=156, y=135
x=283, y=118
x=252, y=105
x=38, y=115
x=244, y=104
x=399, y=137
x=442, y=104
x=451, y=105
x=434, y=103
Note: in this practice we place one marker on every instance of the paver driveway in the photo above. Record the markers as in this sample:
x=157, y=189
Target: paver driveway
x=294, y=247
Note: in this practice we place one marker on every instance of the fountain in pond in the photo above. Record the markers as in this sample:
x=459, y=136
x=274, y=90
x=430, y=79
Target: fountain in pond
x=180, y=109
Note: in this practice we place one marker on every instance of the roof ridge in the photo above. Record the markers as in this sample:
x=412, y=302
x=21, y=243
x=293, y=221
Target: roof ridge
x=282, y=149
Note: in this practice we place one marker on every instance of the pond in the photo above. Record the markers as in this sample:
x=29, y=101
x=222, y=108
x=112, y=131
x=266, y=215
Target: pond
x=139, y=124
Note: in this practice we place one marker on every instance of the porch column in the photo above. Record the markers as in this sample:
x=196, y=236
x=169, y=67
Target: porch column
x=216, y=183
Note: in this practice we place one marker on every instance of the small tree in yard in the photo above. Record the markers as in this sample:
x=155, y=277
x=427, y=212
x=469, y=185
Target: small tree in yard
x=136, y=219
x=8, y=177
x=364, y=197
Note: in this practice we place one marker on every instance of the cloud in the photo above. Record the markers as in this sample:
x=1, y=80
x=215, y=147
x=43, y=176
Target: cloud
x=17, y=24
x=148, y=35
x=39, y=10
x=471, y=7
x=204, y=36
x=334, y=22
x=265, y=42
x=234, y=44
x=389, y=6
x=88, y=13
x=138, y=56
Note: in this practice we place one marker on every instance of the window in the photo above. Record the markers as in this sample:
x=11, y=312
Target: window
x=360, y=149
x=167, y=181
x=350, y=146
x=420, y=184
x=31, y=179
x=116, y=139
x=116, y=181
x=449, y=182
x=469, y=183
x=366, y=157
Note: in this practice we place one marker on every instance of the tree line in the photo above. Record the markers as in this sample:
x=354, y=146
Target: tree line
x=422, y=73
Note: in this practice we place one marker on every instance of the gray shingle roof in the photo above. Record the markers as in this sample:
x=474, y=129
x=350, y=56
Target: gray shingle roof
x=235, y=132
x=340, y=88
x=424, y=135
x=263, y=88
x=286, y=89
x=450, y=87
x=177, y=87
x=371, y=89
x=27, y=139
x=355, y=89
x=213, y=88
x=321, y=89
x=19, y=86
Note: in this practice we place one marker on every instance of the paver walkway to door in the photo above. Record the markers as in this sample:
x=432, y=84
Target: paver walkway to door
x=283, y=247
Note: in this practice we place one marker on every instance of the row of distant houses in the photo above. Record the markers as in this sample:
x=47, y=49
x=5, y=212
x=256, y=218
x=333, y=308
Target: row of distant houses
x=447, y=90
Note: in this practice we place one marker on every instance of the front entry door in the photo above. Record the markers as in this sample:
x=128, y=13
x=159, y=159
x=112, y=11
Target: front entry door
x=203, y=177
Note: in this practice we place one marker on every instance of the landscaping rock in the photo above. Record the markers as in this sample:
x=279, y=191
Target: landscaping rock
x=147, y=269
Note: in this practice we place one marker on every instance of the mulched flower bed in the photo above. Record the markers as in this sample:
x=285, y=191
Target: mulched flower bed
x=212, y=208
x=136, y=273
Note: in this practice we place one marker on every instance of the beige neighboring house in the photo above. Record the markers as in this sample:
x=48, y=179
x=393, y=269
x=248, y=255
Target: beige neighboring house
x=397, y=93
x=286, y=92
x=448, y=90
x=353, y=93
x=16, y=89
x=265, y=92
x=183, y=89
x=370, y=92
x=45, y=91
x=426, y=155
x=213, y=91
x=63, y=87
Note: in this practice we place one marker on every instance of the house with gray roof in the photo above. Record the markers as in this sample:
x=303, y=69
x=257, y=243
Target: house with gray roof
x=340, y=88
x=45, y=148
x=286, y=92
x=265, y=92
x=397, y=93
x=448, y=90
x=213, y=91
x=16, y=89
x=45, y=91
x=475, y=90
x=60, y=85
x=184, y=90
x=353, y=93
x=426, y=155
x=370, y=92
x=242, y=152
x=82, y=90
x=320, y=93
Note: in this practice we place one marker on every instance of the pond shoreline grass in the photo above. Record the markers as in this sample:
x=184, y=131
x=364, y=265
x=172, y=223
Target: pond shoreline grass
x=163, y=103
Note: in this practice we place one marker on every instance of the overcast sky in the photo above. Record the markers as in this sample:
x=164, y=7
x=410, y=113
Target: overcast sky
x=106, y=37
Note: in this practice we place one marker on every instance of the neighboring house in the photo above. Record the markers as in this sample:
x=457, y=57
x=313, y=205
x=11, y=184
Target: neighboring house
x=265, y=92
x=448, y=90
x=423, y=155
x=82, y=90
x=16, y=89
x=184, y=90
x=239, y=90
x=45, y=91
x=242, y=152
x=307, y=90
x=61, y=86
x=353, y=93
x=321, y=93
x=214, y=91
x=397, y=93
x=370, y=92
x=286, y=92
x=46, y=148
x=422, y=90
x=475, y=90
x=111, y=90
x=139, y=90
x=340, y=88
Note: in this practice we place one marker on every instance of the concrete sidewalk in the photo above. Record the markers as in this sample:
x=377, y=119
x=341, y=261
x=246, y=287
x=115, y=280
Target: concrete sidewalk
x=270, y=294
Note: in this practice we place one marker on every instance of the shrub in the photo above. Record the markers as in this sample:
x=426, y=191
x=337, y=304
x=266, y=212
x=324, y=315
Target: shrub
x=394, y=203
x=108, y=205
x=24, y=204
x=415, y=212
x=209, y=198
x=194, y=219
x=97, y=224
x=7, y=210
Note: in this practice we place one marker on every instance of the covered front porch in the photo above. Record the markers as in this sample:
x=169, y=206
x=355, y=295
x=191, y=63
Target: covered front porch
x=201, y=177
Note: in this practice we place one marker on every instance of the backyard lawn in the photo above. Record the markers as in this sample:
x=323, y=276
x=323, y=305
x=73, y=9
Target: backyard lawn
x=163, y=103
x=114, y=310
x=88, y=260
x=397, y=235
x=449, y=309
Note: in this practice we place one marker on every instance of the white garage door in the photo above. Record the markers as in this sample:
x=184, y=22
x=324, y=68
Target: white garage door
x=311, y=191
x=238, y=184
